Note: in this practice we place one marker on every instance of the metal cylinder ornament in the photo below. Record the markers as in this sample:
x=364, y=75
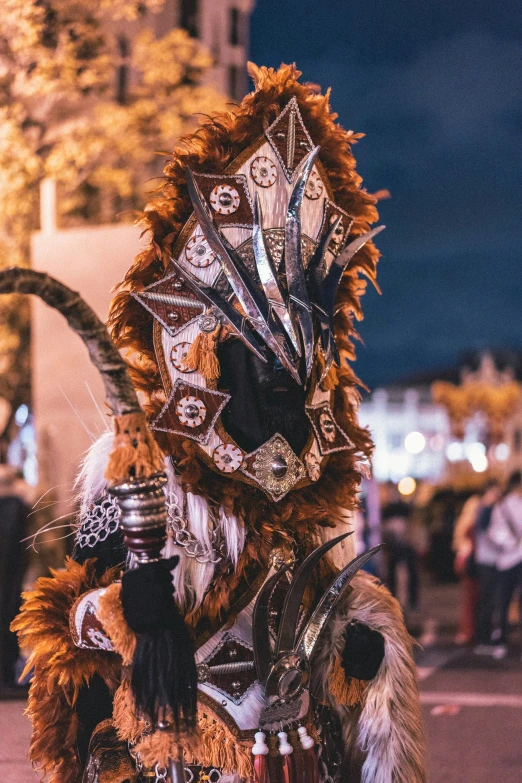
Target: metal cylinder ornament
x=143, y=516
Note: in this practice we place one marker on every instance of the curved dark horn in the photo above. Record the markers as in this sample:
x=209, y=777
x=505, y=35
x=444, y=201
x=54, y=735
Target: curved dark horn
x=120, y=393
x=294, y=597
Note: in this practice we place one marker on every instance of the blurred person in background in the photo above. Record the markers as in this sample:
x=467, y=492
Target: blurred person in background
x=396, y=516
x=440, y=516
x=486, y=554
x=13, y=524
x=465, y=568
x=505, y=531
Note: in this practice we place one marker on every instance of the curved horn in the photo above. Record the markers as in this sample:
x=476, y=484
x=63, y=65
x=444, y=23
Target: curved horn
x=120, y=393
x=292, y=605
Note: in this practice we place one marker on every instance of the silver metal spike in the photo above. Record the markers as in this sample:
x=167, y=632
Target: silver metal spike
x=344, y=258
x=268, y=277
x=315, y=275
x=294, y=597
x=252, y=300
x=314, y=627
x=334, y=274
x=233, y=318
x=295, y=273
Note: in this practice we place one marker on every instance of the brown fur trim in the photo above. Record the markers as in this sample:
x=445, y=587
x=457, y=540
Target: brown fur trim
x=60, y=668
x=388, y=729
x=160, y=746
x=345, y=690
x=214, y=146
x=219, y=747
x=128, y=725
x=110, y=614
x=135, y=452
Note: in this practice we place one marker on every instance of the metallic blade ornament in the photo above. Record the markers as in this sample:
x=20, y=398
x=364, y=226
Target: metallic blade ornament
x=294, y=597
x=315, y=275
x=268, y=276
x=295, y=273
x=315, y=625
x=232, y=316
x=262, y=648
x=334, y=274
x=251, y=299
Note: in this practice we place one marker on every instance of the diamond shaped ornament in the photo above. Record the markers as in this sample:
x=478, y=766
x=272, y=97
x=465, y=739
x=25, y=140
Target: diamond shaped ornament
x=191, y=411
x=289, y=138
x=275, y=467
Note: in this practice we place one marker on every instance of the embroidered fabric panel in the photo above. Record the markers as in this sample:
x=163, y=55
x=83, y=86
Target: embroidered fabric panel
x=289, y=138
x=171, y=303
x=232, y=190
x=191, y=411
x=86, y=630
x=329, y=434
x=229, y=668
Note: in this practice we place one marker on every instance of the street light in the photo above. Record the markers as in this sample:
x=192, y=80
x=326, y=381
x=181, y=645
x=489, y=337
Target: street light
x=414, y=442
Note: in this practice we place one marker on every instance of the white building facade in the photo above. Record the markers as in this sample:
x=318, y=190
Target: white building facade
x=413, y=437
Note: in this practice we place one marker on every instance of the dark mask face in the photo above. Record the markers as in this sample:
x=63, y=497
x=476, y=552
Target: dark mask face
x=265, y=400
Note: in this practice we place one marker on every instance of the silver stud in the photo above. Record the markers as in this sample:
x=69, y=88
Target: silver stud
x=279, y=466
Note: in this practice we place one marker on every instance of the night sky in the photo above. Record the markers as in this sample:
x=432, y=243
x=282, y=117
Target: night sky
x=436, y=85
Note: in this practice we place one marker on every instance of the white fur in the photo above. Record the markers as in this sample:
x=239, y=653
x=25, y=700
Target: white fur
x=388, y=730
x=191, y=578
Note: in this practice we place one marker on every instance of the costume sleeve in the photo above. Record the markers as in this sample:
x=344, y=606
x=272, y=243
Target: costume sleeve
x=75, y=669
x=380, y=718
x=61, y=671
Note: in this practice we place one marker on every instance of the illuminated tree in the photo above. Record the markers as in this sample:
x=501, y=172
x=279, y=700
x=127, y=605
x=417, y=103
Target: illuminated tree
x=88, y=96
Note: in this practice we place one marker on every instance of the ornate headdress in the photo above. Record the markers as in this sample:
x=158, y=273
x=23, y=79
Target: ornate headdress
x=251, y=281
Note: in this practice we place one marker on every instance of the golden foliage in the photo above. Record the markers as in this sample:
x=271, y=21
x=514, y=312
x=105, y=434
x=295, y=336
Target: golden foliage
x=61, y=115
x=497, y=402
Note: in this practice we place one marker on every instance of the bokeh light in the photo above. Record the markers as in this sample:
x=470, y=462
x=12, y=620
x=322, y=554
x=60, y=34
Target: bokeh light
x=407, y=486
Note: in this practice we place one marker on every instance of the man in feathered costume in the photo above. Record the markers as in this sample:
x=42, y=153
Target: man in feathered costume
x=237, y=323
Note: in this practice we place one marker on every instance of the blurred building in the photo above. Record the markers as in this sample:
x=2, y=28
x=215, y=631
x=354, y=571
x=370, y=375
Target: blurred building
x=413, y=436
x=68, y=398
x=222, y=26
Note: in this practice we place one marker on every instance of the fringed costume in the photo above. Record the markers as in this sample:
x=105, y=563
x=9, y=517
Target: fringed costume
x=237, y=323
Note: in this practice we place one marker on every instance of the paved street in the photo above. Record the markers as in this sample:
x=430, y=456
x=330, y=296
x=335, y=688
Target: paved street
x=472, y=708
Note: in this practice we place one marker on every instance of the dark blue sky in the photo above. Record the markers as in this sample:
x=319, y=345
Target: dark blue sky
x=437, y=87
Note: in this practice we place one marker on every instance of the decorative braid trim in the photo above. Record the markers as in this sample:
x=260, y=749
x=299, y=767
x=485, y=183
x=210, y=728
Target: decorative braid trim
x=345, y=690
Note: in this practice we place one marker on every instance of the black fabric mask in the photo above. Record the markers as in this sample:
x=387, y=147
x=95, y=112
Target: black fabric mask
x=265, y=400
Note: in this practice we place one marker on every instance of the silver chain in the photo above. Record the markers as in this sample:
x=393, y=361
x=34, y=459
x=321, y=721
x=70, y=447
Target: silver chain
x=178, y=524
x=103, y=518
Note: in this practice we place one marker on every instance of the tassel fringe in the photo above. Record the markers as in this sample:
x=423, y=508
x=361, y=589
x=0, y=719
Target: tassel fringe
x=135, y=452
x=345, y=690
x=202, y=355
x=218, y=747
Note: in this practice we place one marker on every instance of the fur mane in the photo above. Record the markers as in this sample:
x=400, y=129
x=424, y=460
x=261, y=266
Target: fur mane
x=216, y=143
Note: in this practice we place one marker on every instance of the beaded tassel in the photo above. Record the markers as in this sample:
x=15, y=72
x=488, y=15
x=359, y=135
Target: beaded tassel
x=286, y=750
x=260, y=751
x=310, y=759
x=297, y=757
x=274, y=760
